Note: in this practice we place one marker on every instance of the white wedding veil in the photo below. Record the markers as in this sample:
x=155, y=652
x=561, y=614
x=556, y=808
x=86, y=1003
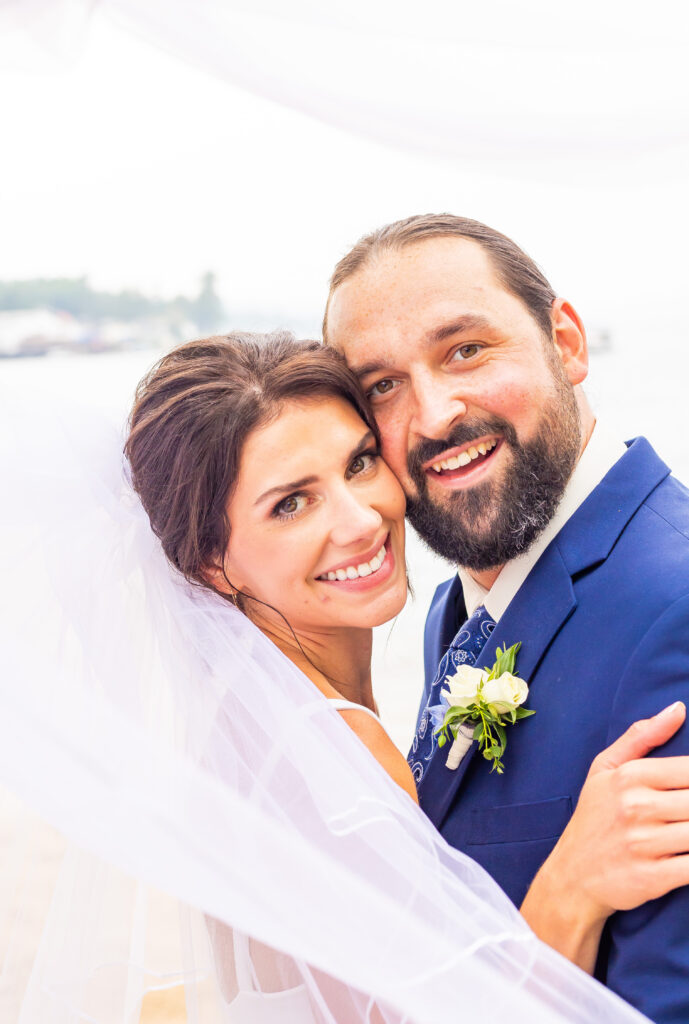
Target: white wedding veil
x=186, y=822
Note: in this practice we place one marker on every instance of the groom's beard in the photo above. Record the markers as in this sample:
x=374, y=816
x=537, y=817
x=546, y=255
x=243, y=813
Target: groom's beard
x=486, y=526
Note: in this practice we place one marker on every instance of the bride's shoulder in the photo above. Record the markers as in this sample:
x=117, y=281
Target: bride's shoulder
x=370, y=730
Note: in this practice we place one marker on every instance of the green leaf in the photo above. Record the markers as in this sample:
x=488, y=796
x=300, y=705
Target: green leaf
x=508, y=658
x=504, y=662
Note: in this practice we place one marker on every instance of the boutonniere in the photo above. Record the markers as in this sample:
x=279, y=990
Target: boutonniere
x=477, y=705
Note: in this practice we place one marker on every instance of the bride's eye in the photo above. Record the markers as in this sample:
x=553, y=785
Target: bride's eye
x=290, y=506
x=362, y=463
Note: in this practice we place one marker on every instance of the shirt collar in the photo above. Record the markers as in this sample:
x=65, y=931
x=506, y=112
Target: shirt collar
x=598, y=457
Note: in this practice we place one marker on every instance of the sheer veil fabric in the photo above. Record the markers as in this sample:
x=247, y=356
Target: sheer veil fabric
x=212, y=822
x=502, y=85
x=180, y=808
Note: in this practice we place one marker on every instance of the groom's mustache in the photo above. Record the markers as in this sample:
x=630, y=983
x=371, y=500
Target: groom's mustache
x=464, y=433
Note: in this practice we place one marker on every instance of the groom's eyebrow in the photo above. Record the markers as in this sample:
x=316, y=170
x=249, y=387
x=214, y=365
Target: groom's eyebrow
x=375, y=366
x=458, y=325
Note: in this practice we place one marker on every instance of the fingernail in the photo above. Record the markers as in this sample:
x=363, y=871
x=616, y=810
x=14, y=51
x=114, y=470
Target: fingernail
x=671, y=709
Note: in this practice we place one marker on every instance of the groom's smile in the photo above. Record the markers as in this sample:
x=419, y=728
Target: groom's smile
x=474, y=400
x=464, y=465
x=473, y=367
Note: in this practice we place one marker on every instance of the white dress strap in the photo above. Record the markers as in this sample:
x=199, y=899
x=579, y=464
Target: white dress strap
x=348, y=705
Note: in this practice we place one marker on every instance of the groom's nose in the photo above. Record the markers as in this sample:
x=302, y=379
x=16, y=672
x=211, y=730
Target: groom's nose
x=436, y=407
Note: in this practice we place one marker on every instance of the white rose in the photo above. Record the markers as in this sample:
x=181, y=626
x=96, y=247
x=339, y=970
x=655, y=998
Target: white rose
x=463, y=685
x=505, y=693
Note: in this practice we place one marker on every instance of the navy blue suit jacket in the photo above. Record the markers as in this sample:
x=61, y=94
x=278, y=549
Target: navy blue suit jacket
x=603, y=619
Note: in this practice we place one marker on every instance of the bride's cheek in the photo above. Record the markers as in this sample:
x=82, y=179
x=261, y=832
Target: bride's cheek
x=395, y=498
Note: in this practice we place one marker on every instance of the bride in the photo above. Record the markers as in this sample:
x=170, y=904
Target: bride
x=235, y=723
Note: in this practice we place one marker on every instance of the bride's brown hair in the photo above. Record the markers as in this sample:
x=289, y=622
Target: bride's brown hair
x=192, y=414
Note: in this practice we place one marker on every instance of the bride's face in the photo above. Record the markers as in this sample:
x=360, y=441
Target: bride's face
x=317, y=520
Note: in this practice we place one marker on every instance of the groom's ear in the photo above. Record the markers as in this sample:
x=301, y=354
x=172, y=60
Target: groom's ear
x=569, y=337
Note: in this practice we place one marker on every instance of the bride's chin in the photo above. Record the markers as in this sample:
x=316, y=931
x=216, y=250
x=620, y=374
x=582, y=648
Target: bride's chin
x=388, y=609
x=381, y=620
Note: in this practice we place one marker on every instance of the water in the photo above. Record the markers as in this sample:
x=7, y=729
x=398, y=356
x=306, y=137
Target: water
x=636, y=388
x=108, y=382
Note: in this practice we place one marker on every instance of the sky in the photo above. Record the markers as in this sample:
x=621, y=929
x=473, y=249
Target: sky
x=125, y=164
x=130, y=166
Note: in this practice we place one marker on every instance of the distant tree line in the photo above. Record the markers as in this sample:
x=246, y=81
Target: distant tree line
x=76, y=296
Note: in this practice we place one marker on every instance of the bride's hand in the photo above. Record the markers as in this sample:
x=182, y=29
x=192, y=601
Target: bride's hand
x=627, y=841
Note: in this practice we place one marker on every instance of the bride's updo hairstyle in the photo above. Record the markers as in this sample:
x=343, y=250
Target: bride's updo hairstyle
x=192, y=414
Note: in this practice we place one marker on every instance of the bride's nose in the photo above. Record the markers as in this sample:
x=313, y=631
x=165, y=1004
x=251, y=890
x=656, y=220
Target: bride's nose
x=353, y=521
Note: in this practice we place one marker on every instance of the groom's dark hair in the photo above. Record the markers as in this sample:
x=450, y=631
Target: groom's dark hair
x=517, y=271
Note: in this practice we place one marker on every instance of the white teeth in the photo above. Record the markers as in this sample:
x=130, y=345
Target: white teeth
x=353, y=572
x=465, y=457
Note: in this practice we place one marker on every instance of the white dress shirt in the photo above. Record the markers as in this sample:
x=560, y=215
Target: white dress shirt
x=600, y=454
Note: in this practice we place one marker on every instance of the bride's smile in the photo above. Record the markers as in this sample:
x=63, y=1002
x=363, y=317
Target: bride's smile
x=351, y=575
x=317, y=519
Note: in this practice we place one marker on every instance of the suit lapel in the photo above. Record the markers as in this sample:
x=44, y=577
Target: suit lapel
x=545, y=602
x=446, y=615
x=446, y=611
x=590, y=535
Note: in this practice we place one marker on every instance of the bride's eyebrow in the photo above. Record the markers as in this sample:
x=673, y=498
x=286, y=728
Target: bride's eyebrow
x=305, y=481
x=295, y=485
x=363, y=444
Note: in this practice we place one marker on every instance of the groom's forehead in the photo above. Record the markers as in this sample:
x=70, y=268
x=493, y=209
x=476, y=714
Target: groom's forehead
x=408, y=295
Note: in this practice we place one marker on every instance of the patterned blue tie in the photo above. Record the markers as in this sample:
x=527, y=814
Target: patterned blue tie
x=465, y=649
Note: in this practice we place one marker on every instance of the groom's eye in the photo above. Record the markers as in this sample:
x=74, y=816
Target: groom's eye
x=382, y=387
x=466, y=351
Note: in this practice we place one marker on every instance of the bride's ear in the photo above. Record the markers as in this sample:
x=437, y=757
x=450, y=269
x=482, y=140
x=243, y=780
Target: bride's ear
x=218, y=576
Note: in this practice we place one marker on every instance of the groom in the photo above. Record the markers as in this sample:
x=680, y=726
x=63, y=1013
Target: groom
x=566, y=541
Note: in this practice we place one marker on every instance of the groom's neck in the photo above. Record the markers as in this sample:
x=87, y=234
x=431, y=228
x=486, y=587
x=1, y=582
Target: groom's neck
x=487, y=577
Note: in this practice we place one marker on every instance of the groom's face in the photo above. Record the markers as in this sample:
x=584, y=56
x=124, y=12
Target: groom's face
x=475, y=404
